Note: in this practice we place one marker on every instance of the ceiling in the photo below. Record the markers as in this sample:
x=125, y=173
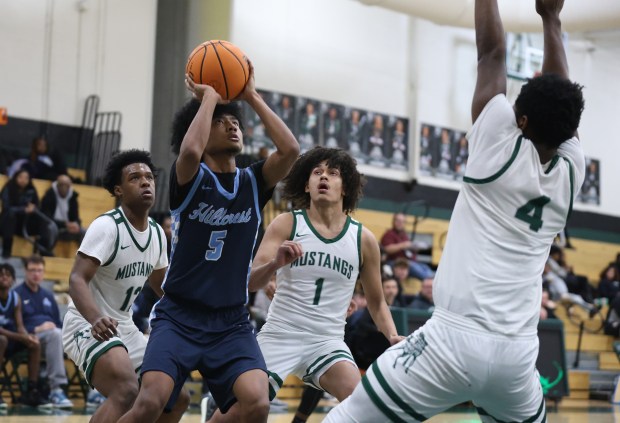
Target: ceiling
x=517, y=15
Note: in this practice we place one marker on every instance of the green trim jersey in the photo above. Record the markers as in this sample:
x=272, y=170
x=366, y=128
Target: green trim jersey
x=127, y=257
x=314, y=292
x=507, y=214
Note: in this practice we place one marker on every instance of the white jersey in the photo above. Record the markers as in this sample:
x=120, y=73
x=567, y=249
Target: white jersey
x=314, y=292
x=127, y=258
x=506, y=216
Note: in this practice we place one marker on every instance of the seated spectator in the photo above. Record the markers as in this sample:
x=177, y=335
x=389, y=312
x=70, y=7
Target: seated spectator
x=42, y=318
x=365, y=340
x=424, y=300
x=612, y=321
x=410, y=286
x=397, y=244
x=609, y=285
x=20, y=211
x=547, y=307
x=558, y=291
x=14, y=337
x=41, y=163
x=576, y=284
x=60, y=204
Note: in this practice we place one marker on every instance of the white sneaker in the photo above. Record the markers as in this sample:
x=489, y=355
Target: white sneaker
x=59, y=399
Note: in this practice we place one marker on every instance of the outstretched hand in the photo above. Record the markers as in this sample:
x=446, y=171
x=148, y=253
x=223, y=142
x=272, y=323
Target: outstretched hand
x=199, y=90
x=549, y=8
x=288, y=252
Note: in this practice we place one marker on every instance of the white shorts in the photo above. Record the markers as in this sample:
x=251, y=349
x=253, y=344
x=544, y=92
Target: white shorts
x=84, y=350
x=308, y=359
x=441, y=365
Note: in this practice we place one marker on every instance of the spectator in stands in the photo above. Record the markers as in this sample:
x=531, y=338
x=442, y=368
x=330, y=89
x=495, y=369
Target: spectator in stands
x=609, y=285
x=20, y=210
x=424, y=300
x=397, y=244
x=41, y=162
x=558, y=290
x=42, y=318
x=576, y=284
x=365, y=340
x=61, y=205
x=547, y=307
x=410, y=286
x=14, y=337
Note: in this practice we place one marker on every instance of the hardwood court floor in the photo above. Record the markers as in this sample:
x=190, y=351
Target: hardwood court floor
x=567, y=412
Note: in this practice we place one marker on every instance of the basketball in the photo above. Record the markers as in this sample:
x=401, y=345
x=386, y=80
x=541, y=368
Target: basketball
x=220, y=64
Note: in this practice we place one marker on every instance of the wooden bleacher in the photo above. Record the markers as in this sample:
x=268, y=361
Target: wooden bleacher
x=93, y=201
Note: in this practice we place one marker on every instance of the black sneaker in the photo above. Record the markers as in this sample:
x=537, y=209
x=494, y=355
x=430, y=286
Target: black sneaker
x=34, y=399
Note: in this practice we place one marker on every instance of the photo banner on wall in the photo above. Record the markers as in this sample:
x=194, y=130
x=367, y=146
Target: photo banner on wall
x=590, y=192
x=377, y=141
x=443, y=152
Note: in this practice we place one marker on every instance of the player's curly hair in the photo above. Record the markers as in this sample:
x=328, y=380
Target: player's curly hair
x=352, y=180
x=114, y=169
x=553, y=106
x=185, y=115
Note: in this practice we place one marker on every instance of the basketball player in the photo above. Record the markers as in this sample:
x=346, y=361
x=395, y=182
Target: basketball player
x=202, y=322
x=121, y=249
x=318, y=253
x=525, y=167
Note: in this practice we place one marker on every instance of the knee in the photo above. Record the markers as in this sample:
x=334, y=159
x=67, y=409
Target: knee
x=125, y=394
x=258, y=408
x=182, y=402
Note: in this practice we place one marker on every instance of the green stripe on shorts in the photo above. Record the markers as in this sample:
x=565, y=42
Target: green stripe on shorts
x=98, y=354
x=379, y=403
x=393, y=395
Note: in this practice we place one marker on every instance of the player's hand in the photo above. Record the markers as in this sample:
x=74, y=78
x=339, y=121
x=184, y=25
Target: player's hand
x=288, y=252
x=200, y=90
x=395, y=339
x=28, y=339
x=104, y=328
x=549, y=8
x=250, y=86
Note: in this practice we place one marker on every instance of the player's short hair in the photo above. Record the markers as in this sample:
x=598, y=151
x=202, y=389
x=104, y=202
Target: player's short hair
x=7, y=268
x=352, y=180
x=114, y=169
x=401, y=262
x=553, y=106
x=185, y=115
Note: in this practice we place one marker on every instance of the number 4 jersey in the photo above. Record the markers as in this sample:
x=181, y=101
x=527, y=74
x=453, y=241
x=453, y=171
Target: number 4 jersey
x=314, y=292
x=127, y=258
x=507, y=214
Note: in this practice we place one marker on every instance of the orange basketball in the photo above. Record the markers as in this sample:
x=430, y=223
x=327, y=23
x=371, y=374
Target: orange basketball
x=220, y=64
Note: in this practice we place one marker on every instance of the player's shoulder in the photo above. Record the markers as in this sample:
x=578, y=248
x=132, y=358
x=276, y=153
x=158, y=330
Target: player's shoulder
x=106, y=221
x=284, y=224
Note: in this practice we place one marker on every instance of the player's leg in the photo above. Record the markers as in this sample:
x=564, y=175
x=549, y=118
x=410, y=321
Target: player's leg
x=179, y=407
x=168, y=359
x=114, y=377
x=251, y=392
x=309, y=400
x=513, y=391
x=341, y=379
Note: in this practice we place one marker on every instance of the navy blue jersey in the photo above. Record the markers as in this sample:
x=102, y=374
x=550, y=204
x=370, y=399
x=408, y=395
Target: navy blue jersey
x=7, y=312
x=215, y=219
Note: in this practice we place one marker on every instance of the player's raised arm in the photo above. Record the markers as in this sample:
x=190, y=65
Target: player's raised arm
x=491, y=45
x=274, y=252
x=371, y=282
x=197, y=136
x=280, y=161
x=554, y=59
x=84, y=268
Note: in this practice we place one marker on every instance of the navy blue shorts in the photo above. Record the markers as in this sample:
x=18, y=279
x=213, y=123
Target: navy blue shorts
x=220, y=344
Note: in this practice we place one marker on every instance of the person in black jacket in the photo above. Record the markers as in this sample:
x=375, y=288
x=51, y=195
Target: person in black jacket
x=61, y=205
x=20, y=210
